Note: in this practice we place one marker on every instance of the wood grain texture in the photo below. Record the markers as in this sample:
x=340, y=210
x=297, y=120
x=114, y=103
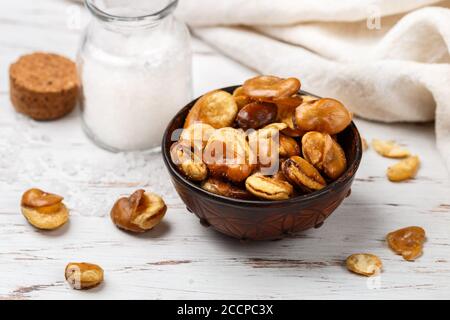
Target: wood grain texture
x=180, y=258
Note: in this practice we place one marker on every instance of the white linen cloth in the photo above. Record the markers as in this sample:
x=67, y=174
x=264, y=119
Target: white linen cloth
x=399, y=72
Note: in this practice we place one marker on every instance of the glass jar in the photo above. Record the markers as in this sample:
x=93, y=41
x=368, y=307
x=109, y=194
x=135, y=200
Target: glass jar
x=135, y=69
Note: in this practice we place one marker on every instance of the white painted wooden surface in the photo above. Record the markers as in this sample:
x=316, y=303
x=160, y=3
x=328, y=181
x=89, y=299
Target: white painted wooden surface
x=180, y=258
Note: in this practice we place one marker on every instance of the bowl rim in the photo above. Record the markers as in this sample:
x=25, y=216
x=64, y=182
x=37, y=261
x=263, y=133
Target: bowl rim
x=342, y=180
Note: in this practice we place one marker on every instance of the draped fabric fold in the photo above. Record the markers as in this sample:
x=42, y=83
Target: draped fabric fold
x=386, y=60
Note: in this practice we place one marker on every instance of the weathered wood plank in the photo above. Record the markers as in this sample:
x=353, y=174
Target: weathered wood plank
x=180, y=258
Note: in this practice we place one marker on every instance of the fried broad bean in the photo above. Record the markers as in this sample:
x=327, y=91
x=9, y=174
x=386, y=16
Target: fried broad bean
x=44, y=210
x=140, y=212
x=226, y=189
x=268, y=188
x=270, y=88
x=302, y=174
x=276, y=126
x=279, y=175
x=189, y=162
x=292, y=101
x=197, y=134
x=216, y=108
x=309, y=99
x=323, y=115
x=256, y=115
x=227, y=155
x=365, y=264
x=83, y=276
x=324, y=153
x=404, y=169
x=286, y=115
x=268, y=145
x=288, y=147
x=389, y=149
x=407, y=242
x=241, y=98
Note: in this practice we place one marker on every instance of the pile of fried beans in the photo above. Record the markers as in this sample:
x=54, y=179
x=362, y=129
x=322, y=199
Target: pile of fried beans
x=265, y=141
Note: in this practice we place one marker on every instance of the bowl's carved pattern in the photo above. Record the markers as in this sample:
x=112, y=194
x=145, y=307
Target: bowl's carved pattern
x=259, y=223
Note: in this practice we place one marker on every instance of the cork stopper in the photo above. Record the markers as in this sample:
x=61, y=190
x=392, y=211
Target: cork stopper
x=43, y=85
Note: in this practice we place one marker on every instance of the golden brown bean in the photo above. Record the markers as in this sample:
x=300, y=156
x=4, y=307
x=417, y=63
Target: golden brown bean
x=197, y=134
x=269, y=88
x=225, y=189
x=279, y=126
x=227, y=155
x=389, y=149
x=404, y=169
x=407, y=242
x=302, y=174
x=288, y=147
x=241, y=98
x=365, y=264
x=268, y=188
x=268, y=145
x=216, y=108
x=140, y=212
x=324, y=115
x=83, y=276
x=324, y=153
x=292, y=101
x=44, y=210
x=189, y=162
x=286, y=115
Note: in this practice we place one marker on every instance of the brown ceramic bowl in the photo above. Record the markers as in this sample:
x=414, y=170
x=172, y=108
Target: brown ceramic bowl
x=259, y=219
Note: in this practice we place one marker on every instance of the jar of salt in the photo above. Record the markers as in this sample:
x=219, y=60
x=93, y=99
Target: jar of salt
x=135, y=70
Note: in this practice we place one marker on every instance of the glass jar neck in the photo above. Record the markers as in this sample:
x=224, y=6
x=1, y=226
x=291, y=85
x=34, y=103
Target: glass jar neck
x=131, y=14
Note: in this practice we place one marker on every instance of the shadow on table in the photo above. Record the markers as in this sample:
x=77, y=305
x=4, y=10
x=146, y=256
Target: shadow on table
x=348, y=230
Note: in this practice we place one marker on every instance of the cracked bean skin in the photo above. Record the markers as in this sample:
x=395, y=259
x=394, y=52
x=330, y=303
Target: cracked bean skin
x=279, y=175
x=83, y=276
x=227, y=155
x=241, y=98
x=279, y=126
x=407, y=242
x=292, y=101
x=324, y=153
x=404, y=170
x=286, y=111
x=286, y=115
x=270, y=88
x=197, y=134
x=365, y=264
x=324, y=115
x=140, y=212
x=226, y=189
x=216, y=108
x=44, y=210
x=256, y=115
x=302, y=174
x=288, y=147
x=270, y=145
x=189, y=162
x=389, y=149
x=268, y=188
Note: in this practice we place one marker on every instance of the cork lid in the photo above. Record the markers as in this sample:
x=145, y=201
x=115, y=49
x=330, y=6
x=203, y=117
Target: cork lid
x=44, y=72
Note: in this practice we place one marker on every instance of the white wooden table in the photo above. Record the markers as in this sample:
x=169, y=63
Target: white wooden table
x=180, y=258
